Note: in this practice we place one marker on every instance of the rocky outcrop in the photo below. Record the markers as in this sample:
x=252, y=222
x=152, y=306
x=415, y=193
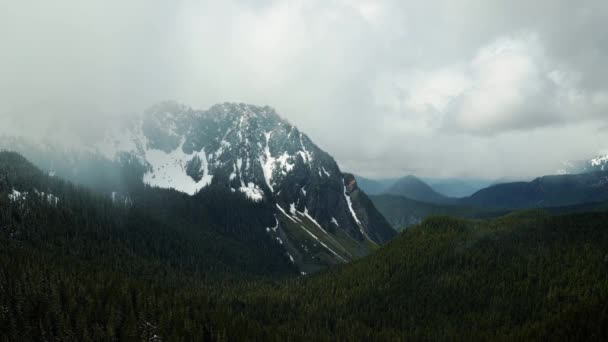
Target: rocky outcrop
x=374, y=224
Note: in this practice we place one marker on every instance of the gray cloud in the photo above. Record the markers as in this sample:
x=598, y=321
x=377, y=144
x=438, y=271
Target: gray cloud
x=436, y=88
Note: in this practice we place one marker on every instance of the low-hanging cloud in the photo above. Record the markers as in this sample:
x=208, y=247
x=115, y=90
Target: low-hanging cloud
x=437, y=88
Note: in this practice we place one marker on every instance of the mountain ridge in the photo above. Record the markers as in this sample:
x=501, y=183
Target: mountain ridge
x=414, y=188
x=243, y=149
x=546, y=191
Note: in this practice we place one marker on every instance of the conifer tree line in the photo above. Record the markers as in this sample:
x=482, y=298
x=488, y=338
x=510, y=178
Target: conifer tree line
x=170, y=267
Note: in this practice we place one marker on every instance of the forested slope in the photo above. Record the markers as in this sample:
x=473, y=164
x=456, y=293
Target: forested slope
x=87, y=270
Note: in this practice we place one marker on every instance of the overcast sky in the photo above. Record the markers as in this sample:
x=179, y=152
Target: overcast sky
x=495, y=89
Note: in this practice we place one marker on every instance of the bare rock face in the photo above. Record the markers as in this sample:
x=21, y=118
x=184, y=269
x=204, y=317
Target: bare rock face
x=252, y=150
x=321, y=216
x=375, y=225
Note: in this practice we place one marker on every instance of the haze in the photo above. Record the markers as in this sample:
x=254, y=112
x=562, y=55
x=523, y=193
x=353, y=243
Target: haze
x=491, y=89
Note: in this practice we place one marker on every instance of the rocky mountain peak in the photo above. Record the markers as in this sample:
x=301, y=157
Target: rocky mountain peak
x=252, y=151
x=599, y=163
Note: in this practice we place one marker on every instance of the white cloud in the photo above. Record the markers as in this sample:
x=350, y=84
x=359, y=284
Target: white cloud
x=385, y=86
x=509, y=84
x=509, y=89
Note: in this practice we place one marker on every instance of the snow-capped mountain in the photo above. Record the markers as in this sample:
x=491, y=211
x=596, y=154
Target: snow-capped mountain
x=253, y=151
x=599, y=163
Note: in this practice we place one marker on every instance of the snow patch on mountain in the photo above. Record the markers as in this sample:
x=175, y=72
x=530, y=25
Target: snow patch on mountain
x=283, y=162
x=168, y=170
x=334, y=221
x=350, y=207
x=267, y=162
x=601, y=162
x=286, y=214
x=252, y=192
x=17, y=197
x=50, y=198
x=307, y=215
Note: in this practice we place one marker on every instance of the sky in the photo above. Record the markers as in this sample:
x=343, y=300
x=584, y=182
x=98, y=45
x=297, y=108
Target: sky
x=454, y=88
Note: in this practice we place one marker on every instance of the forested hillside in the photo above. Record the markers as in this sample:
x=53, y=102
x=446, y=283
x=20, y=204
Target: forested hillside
x=403, y=212
x=217, y=232
x=80, y=267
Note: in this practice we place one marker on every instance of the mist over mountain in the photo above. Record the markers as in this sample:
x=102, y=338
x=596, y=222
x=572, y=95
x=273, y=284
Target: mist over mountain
x=321, y=217
x=599, y=163
x=456, y=187
x=374, y=186
x=450, y=187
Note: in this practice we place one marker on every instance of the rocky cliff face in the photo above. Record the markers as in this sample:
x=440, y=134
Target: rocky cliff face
x=252, y=151
x=321, y=217
x=375, y=226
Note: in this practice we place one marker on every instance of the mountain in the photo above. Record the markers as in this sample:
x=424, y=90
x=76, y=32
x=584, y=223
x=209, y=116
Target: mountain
x=361, y=205
x=154, y=227
x=374, y=186
x=455, y=187
x=413, y=188
x=450, y=187
x=548, y=191
x=402, y=212
x=599, y=163
x=251, y=150
x=316, y=217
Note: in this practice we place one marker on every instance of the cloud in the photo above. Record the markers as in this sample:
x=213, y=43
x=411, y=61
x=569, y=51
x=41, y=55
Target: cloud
x=387, y=87
x=509, y=89
x=510, y=84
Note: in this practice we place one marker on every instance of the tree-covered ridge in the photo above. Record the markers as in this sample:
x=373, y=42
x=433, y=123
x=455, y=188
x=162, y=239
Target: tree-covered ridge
x=89, y=269
x=523, y=276
x=403, y=212
x=215, y=232
x=164, y=266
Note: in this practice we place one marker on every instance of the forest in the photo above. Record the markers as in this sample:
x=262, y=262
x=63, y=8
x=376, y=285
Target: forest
x=163, y=266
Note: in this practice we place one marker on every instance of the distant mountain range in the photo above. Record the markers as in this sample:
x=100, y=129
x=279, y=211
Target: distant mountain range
x=410, y=200
x=413, y=188
x=402, y=212
x=457, y=187
x=374, y=186
x=547, y=191
x=448, y=187
x=431, y=190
